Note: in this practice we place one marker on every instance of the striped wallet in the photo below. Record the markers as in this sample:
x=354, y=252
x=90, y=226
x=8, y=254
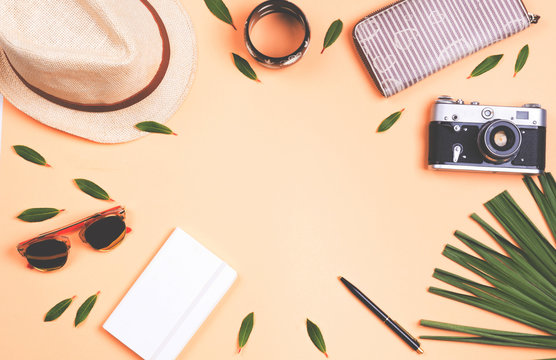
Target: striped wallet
x=409, y=40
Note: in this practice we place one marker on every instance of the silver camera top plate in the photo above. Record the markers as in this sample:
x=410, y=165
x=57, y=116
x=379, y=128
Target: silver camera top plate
x=447, y=109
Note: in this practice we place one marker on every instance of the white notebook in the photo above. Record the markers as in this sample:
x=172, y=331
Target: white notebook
x=171, y=299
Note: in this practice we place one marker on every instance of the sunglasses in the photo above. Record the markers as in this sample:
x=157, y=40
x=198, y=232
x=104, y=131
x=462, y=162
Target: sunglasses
x=103, y=231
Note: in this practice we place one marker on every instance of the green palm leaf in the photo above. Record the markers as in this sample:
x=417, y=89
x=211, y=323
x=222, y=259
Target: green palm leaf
x=520, y=280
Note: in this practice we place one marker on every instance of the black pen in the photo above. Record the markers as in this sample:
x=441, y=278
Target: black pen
x=400, y=331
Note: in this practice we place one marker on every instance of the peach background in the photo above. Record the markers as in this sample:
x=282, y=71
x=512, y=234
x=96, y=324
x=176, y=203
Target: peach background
x=288, y=182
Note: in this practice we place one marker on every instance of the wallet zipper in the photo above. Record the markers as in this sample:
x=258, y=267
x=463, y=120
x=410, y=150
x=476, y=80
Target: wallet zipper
x=384, y=8
x=533, y=18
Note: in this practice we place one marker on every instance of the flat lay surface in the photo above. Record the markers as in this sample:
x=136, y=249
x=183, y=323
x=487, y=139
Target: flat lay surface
x=286, y=181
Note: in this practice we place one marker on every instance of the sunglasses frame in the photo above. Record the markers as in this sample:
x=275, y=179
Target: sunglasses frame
x=80, y=225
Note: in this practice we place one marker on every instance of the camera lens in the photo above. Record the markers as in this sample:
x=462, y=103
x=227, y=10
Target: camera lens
x=499, y=141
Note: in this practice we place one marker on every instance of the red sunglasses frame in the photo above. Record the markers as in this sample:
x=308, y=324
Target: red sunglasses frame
x=80, y=225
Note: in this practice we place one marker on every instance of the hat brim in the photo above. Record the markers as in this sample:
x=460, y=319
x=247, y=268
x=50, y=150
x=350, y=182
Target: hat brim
x=118, y=126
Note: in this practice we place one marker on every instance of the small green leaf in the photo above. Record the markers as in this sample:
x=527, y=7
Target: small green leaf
x=521, y=59
x=92, y=189
x=219, y=9
x=154, y=127
x=58, y=309
x=316, y=336
x=332, y=34
x=85, y=309
x=38, y=214
x=246, y=69
x=30, y=155
x=487, y=64
x=389, y=121
x=245, y=330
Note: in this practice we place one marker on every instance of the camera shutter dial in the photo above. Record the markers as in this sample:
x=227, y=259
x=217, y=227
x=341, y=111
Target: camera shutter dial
x=487, y=113
x=445, y=99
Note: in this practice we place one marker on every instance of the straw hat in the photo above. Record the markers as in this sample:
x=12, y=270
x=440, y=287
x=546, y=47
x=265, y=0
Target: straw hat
x=95, y=68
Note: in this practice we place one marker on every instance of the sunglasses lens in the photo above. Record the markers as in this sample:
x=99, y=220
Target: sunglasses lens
x=105, y=233
x=48, y=254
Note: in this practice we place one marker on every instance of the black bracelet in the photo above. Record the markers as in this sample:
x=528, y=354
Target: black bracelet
x=267, y=8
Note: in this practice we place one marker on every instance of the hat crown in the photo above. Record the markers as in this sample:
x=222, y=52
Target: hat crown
x=83, y=52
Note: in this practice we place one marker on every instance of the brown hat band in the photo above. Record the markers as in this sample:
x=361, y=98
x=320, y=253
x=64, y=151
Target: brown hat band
x=133, y=99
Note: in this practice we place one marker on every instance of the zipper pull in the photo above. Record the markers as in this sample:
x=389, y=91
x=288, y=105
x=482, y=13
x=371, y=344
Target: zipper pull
x=533, y=19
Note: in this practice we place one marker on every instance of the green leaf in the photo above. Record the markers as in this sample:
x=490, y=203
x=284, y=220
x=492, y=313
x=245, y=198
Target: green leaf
x=154, y=127
x=38, y=214
x=332, y=34
x=316, y=336
x=497, y=278
x=549, y=342
x=245, y=330
x=492, y=337
x=472, y=330
x=522, y=266
x=499, y=307
x=510, y=295
x=219, y=9
x=389, y=121
x=486, y=65
x=30, y=155
x=85, y=309
x=521, y=59
x=92, y=189
x=58, y=309
x=546, y=199
x=520, y=285
x=535, y=246
x=246, y=69
x=488, y=333
x=522, y=281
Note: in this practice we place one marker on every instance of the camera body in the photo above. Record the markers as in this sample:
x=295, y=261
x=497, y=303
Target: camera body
x=474, y=137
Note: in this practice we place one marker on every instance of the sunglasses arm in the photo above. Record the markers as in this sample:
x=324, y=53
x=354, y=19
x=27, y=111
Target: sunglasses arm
x=76, y=225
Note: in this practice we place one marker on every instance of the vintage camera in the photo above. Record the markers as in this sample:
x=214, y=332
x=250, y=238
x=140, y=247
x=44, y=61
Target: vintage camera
x=476, y=137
